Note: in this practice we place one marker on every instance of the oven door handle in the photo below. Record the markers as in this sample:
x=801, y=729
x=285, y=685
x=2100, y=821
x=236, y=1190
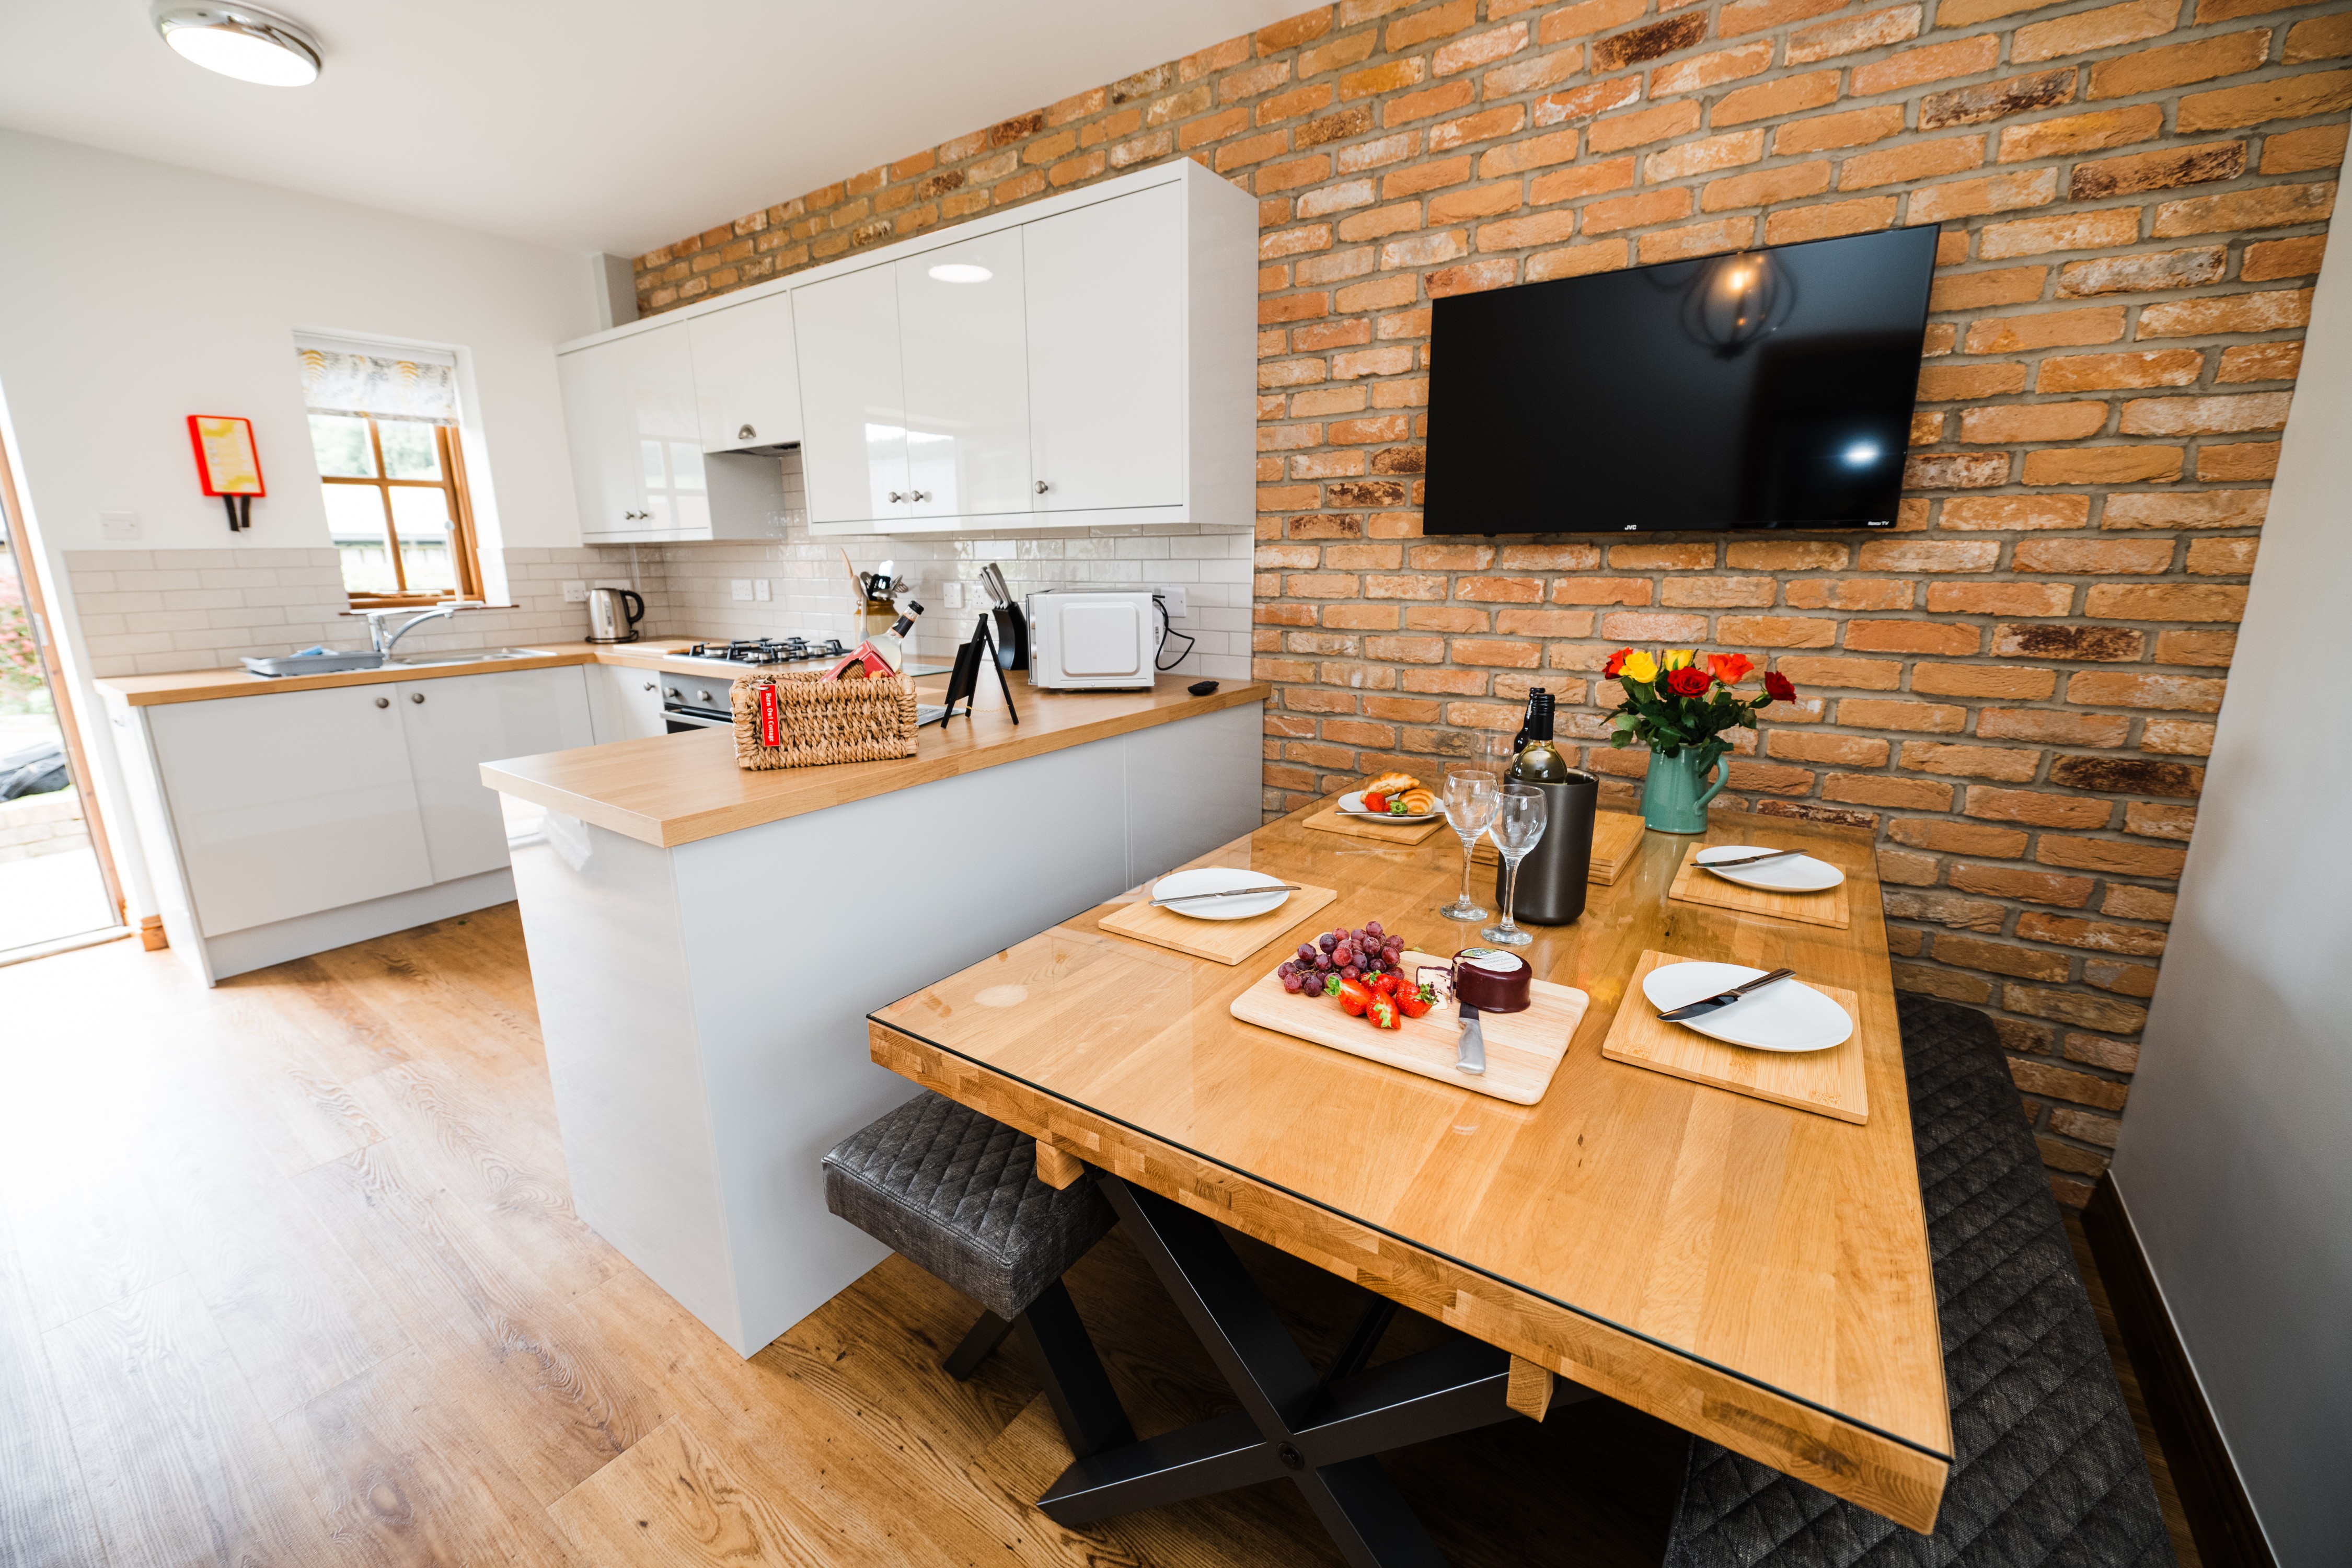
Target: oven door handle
x=681, y=719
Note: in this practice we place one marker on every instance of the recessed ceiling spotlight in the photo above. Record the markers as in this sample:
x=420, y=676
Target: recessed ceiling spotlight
x=238, y=40
x=962, y=272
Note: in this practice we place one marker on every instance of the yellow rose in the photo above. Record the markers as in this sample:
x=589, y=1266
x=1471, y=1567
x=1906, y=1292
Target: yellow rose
x=1678, y=658
x=1640, y=667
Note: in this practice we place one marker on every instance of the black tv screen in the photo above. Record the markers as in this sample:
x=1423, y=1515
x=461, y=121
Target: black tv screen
x=1765, y=389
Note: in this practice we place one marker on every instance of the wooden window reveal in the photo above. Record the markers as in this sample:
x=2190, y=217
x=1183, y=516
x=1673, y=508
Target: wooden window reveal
x=437, y=560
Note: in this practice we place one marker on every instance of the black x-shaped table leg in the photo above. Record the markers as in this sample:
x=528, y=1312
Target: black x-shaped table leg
x=1319, y=1434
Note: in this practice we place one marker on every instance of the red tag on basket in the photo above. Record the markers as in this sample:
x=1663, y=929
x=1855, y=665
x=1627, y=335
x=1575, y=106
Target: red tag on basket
x=772, y=728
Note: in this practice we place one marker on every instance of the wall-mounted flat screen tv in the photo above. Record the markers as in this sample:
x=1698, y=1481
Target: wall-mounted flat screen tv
x=1769, y=388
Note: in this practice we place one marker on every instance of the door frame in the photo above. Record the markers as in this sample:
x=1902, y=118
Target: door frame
x=29, y=572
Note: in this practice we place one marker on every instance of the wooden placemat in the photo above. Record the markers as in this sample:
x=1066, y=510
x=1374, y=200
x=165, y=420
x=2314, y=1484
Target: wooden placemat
x=1523, y=1049
x=1827, y=1083
x=1693, y=886
x=1223, y=941
x=1332, y=819
x=1616, y=845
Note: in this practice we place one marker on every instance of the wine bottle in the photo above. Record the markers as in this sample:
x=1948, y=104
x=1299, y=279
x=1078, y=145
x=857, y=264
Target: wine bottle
x=1538, y=761
x=1527, y=721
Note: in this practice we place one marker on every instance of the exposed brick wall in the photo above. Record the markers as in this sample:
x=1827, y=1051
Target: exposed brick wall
x=2014, y=691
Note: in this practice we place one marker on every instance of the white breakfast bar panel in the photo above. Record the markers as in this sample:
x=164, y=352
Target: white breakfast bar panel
x=704, y=1005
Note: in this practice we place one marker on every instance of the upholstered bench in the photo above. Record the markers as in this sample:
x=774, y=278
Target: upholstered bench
x=958, y=1194
x=2047, y=1467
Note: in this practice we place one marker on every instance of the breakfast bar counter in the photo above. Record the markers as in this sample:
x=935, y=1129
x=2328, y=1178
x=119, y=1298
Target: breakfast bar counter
x=704, y=942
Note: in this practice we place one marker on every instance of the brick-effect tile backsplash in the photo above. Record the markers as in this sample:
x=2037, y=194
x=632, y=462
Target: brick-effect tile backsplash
x=2015, y=690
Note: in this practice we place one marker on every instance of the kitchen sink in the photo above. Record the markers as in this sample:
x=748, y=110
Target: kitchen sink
x=467, y=656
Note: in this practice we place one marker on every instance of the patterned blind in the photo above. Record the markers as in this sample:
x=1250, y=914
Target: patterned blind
x=385, y=382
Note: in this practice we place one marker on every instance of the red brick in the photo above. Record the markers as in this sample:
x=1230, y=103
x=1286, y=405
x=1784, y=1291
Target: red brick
x=1766, y=185
x=1710, y=69
x=2049, y=328
x=2012, y=882
x=1844, y=750
x=2138, y=464
x=2032, y=422
x=1583, y=180
x=1776, y=631
x=2052, y=726
x=1853, y=127
x=2008, y=598
x=2208, y=509
x=1705, y=156
x=2259, y=361
x=1872, y=713
x=2297, y=151
x=1755, y=15
x=2223, y=557
x=2265, y=206
x=2108, y=855
x=1697, y=240
x=2257, y=460
x=1852, y=34
x=1976, y=104
x=2094, y=557
x=1482, y=49
x=1585, y=102
x=2084, y=373
x=2214, y=649
x=1862, y=674
x=1616, y=132
x=2282, y=98
x=2264, y=310
x=2088, y=132
x=1772, y=100
x=2177, y=65
x=2122, y=689
x=1911, y=636
x=2098, y=230
x=2001, y=958
x=1973, y=290
x=2164, y=601
x=2009, y=684
x=1720, y=593
x=2204, y=416
x=1961, y=57
x=1790, y=225
x=1880, y=789
x=2087, y=30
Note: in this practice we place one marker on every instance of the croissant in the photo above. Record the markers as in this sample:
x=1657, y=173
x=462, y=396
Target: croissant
x=1390, y=783
x=1417, y=801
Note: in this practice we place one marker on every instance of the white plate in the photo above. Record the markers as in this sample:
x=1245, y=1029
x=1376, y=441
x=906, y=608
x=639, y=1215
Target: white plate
x=1218, y=879
x=1787, y=1016
x=1796, y=874
x=1352, y=804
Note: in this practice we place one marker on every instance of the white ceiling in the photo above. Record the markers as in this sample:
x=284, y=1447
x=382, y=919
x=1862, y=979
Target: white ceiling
x=590, y=124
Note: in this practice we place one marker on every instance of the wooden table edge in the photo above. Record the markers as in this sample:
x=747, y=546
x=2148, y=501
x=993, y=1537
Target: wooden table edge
x=1889, y=1475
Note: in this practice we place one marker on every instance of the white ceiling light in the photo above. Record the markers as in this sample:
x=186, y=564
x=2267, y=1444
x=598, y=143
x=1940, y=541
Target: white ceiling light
x=962, y=272
x=238, y=40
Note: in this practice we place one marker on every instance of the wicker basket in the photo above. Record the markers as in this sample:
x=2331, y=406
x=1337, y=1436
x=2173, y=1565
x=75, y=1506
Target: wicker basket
x=821, y=721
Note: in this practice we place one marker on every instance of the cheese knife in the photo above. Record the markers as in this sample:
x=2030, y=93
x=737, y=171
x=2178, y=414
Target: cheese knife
x=1707, y=1005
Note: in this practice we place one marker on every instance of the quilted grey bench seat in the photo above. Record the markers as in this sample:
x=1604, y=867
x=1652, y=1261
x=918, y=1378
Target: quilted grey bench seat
x=2047, y=1468
x=958, y=1194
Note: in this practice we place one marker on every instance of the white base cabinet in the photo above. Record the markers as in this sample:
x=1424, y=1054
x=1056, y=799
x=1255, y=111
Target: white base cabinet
x=624, y=704
x=358, y=809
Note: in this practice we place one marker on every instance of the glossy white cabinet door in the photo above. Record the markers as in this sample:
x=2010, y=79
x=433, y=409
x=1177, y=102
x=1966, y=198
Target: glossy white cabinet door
x=1107, y=370
x=624, y=704
x=453, y=726
x=853, y=398
x=747, y=389
x=963, y=343
x=290, y=803
x=636, y=449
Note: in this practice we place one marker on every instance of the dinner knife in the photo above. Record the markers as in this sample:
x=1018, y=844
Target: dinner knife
x=1231, y=893
x=1707, y=1005
x=1470, y=1050
x=1749, y=860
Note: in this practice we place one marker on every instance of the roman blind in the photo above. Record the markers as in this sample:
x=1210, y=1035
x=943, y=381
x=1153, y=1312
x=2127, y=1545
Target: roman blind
x=386, y=381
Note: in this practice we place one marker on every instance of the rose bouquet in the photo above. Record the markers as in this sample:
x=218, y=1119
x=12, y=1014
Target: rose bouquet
x=1679, y=706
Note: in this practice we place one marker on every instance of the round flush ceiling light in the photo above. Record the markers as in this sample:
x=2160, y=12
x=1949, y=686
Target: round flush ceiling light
x=962, y=272
x=238, y=40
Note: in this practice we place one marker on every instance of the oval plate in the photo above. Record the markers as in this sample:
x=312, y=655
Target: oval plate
x=1789, y=1016
x=1796, y=874
x=1218, y=879
x=1352, y=804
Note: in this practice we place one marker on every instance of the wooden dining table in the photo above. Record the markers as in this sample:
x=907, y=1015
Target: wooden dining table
x=1753, y=1273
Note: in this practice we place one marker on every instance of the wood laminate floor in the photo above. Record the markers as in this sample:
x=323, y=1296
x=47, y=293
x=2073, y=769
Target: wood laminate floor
x=289, y=1275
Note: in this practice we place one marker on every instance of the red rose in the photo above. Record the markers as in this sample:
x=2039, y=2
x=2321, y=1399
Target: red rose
x=1688, y=681
x=1616, y=664
x=1777, y=687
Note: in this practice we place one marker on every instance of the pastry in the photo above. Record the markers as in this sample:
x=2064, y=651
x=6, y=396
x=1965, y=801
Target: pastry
x=1419, y=802
x=1391, y=783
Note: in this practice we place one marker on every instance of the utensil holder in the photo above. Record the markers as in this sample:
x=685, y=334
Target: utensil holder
x=1553, y=877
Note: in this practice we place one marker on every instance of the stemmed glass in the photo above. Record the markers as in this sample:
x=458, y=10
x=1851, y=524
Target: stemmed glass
x=1472, y=799
x=1518, y=824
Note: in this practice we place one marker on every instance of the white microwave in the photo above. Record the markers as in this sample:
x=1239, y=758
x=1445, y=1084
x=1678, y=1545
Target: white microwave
x=1091, y=642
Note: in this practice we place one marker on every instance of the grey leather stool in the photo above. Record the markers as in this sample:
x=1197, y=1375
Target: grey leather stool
x=959, y=1194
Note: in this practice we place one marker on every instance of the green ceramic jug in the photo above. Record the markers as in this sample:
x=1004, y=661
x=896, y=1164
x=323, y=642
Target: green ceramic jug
x=1673, y=798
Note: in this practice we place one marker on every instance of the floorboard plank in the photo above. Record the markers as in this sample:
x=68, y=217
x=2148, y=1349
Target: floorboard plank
x=45, y=1514
x=672, y=1502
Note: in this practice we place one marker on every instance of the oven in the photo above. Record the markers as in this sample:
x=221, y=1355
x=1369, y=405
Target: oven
x=691, y=702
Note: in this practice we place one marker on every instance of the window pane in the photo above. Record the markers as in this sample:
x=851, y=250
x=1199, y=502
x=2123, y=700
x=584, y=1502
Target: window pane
x=355, y=522
x=422, y=518
x=340, y=442
x=409, y=451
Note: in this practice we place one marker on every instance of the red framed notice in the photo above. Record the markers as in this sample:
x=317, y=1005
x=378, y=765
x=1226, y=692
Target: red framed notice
x=225, y=459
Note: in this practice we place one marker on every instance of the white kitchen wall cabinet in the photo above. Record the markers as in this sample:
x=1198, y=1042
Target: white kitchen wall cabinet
x=1107, y=354
x=746, y=393
x=637, y=463
x=454, y=726
x=288, y=803
x=963, y=346
x=624, y=704
x=1101, y=375
x=854, y=393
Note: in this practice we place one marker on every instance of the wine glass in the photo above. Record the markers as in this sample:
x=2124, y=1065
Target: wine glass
x=1518, y=824
x=1472, y=799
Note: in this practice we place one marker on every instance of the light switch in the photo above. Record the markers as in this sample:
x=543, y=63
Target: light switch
x=1173, y=595
x=952, y=595
x=759, y=589
x=742, y=587
x=575, y=593
x=118, y=525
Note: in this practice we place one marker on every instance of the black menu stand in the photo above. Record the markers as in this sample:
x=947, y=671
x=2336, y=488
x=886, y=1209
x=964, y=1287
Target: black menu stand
x=963, y=680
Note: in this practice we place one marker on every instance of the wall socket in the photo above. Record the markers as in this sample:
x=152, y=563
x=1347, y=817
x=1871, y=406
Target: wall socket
x=951, y=595
x=761, y=590
x=118, y=525
x=1173, y=595
x=575, y=593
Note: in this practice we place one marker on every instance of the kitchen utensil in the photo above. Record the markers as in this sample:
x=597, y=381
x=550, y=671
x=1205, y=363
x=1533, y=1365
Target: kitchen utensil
x=1249, y=892
x=614, y=615
x=1517, y=829
x=1352, y=803
x=1470, y=1047
x=1472, y=798
x=1781, y=871
x=1828, y=906
x=1554, y=874
x=1706, y=1004
x=1220, y=941
x=1714, y=865
x=1827, y=1082
x=991, y=578
x=1258, y=892
x=1780, y=1018
x=1522, y=1049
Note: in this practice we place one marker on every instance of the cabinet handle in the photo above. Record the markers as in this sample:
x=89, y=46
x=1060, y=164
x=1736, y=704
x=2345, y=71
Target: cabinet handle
x=896, y=496
x=383, y=701
x=745, y=434
x=416, y=697
x=649, y=686
x=918, y=495
x=1042, y=487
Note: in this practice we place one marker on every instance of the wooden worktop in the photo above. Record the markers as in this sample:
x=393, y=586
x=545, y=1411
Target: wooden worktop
x=206, y=685
x=674, y=789
x=1753, y=1273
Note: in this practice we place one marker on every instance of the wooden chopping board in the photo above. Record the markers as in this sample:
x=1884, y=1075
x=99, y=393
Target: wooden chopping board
x=1827, y=1083
x=1523, y=1049
x=1221, y=941
x=1826, y=908
x=1616, y=845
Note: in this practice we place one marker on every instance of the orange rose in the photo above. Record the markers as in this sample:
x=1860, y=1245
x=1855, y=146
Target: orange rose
x=1731, y=668
x=1616, y=664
